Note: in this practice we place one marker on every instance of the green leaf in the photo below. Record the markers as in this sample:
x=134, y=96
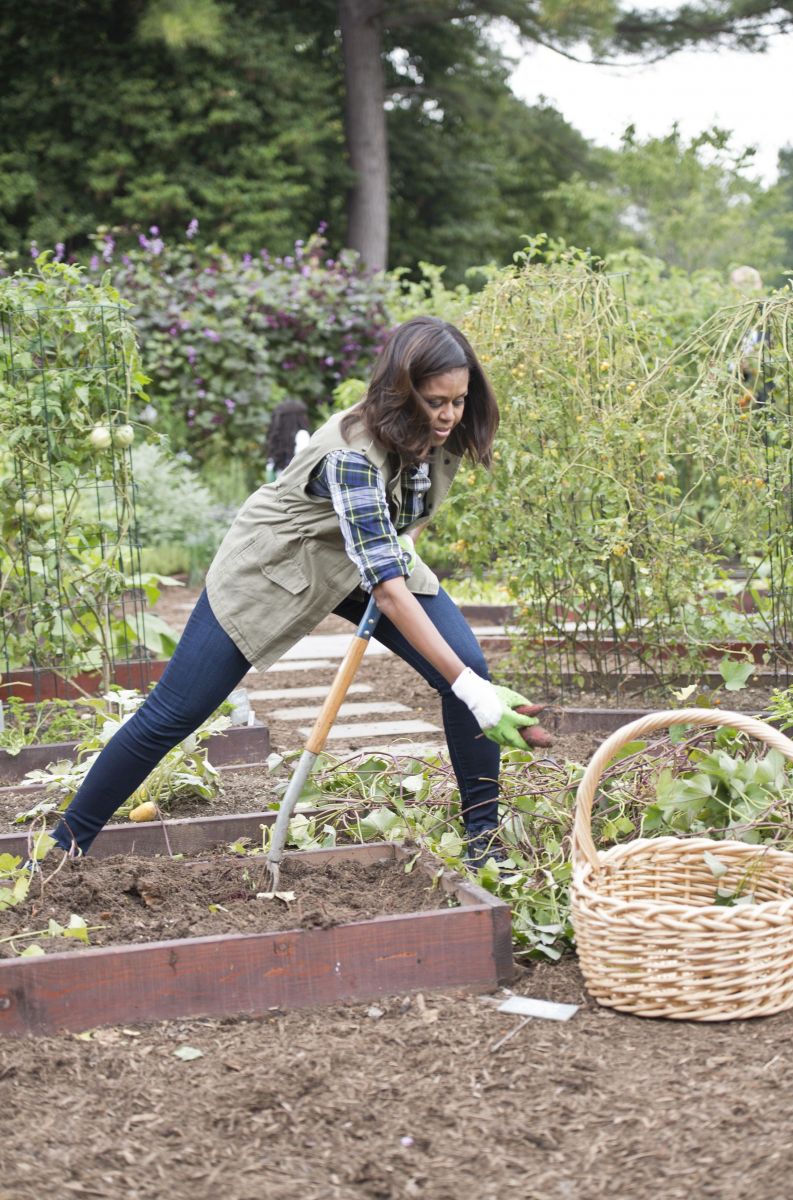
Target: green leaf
x=76, y=928
x=451, y=844
x=629, y=748
x=32, y=951
x=735, y=673
x=717, y=867
x=42, y=844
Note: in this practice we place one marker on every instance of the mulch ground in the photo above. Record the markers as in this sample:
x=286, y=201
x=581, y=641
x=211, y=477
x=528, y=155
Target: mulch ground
x=410, y=1097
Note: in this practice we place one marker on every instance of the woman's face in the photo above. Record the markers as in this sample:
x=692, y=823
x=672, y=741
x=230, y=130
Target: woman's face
x=443, y=396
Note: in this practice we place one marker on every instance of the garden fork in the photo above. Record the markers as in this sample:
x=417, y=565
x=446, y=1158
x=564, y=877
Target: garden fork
x=316, y=740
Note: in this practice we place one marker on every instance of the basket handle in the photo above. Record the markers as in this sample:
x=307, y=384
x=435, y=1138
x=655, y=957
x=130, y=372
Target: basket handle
x=583, y=845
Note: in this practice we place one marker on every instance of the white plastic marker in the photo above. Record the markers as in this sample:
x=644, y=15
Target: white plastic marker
x=524, y=1006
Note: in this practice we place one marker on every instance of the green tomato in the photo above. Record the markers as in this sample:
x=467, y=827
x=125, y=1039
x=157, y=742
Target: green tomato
x=25, y=508
x=100, y=437
x=124, y=435
x=43, y=512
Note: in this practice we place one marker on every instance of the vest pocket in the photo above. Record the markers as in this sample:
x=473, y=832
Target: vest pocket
x=278, y=563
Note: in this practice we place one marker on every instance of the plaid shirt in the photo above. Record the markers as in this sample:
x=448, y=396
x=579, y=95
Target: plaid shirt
x=357, y=491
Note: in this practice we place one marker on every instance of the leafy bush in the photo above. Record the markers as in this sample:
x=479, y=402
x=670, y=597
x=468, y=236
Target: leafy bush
x=224, y=339
x=175, y=512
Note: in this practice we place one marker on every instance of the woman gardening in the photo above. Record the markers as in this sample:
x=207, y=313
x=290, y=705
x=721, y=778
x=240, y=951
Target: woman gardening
x=337, y=525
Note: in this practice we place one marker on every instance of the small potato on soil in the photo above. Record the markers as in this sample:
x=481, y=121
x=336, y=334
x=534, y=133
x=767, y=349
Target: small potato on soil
x=147, y=811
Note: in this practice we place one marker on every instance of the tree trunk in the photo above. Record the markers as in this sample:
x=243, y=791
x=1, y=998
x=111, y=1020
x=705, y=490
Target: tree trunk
x=367, y=140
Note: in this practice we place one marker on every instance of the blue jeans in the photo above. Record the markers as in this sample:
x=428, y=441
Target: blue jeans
x=206, y=666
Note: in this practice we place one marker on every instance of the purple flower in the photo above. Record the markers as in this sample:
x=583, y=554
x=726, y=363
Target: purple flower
x=60, y=250
x=329, y=361
x=94, y=264
x=192, y=228
x=323, y=225
x=127, y=261
x=174, y=331
x=108, y=248
x=191, y=354
x=157, y=245
x=246, y=260
x=143, y=241
x=230, y=405
x=201, y=394
x=212, y=335
x=154, y=230
x=34, y=250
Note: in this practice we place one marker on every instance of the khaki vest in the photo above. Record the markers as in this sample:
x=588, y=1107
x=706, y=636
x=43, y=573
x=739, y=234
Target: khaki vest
x=282, y=566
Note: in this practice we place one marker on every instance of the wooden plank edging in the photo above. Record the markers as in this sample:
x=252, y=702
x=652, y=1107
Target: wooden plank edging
x=253, y=974
x=239, y=744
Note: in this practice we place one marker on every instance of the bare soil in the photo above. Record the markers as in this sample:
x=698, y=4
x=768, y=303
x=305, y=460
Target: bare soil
x=124, y=899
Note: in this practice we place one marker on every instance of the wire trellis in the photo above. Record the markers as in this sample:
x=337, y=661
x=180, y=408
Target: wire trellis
x=71, y=585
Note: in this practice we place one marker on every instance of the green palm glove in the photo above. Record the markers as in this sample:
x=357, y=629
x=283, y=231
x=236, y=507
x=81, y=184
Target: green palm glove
x=506, y=731
x=493, y=707
x=407, y=544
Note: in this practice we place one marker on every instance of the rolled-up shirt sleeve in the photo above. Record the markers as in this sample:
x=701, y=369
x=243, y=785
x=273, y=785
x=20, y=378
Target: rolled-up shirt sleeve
x=357, y=492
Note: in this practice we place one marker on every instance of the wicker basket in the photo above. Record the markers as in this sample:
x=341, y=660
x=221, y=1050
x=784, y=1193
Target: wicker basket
x=650, y=939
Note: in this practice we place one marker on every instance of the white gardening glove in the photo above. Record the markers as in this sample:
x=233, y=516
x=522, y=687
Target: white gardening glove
x=493, y=707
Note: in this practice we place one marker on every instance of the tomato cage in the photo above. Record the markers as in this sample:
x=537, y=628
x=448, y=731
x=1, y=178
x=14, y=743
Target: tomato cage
x=72, y=607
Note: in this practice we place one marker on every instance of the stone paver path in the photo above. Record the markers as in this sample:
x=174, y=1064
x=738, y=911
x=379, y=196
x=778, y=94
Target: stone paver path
x=376, y=724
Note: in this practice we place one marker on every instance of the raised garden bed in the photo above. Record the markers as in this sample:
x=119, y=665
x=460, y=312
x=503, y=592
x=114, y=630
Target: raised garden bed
x=238, y=744
x=255, y=973
x=39, y=683
x=184, y=835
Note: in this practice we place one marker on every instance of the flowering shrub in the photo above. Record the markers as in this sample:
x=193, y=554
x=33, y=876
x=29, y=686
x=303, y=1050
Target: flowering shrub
x=224, y=339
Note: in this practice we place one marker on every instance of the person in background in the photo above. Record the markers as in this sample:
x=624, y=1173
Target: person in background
x=337, y=526
x=754, y=365
x=288, y=433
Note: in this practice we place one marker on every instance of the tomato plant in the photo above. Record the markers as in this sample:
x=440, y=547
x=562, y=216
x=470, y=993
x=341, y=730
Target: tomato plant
x=70, y=586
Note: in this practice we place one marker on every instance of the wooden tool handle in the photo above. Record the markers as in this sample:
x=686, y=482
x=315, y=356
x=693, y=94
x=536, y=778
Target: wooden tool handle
x=344, y=677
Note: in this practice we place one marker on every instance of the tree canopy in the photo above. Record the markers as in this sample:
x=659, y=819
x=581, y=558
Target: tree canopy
x=139, y=112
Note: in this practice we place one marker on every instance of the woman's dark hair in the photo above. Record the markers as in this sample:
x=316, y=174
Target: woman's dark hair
x=287, y=418
x=392, y=410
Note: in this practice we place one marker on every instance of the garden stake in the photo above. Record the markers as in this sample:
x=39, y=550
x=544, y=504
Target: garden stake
x=317, y=738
